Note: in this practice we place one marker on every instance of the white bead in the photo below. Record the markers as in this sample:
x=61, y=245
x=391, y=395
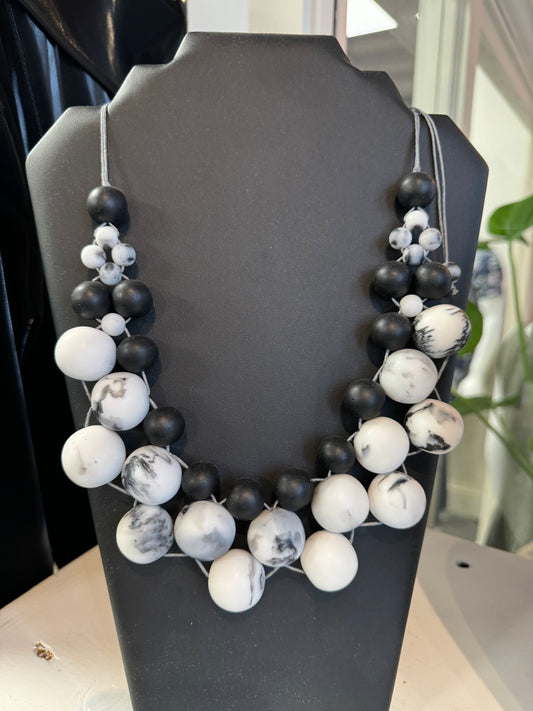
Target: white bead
x=397, y=500
x=106, y=235
x=204, y=530
x=123, y=254
x=340, y=503
x=441, y=330
x=152, y=475
x=454, y=269
x=408, y=376
x=413, y=255
x=110, y=274
x=276, y=537
x=93, y=456
x=400, y=238
x=236, y=581
x=120, y=400
x=381, y=445
x=430, y=239
x=416, y=218
x=329, y=561
x=85, y=353
x=411, y=305
x=144, y=534
x=93, y=256
x=113, y=324
x=434, y=426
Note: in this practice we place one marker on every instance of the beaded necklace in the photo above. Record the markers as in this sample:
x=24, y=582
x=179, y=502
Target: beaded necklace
x=417, y=338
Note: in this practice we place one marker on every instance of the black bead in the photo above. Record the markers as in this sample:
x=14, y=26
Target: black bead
x=392, y=280
x=245, y=499
x=200, y=481
x=416, y=190
x=364, y=399
x=107, y=204
x=432, y=280
x=91, y=299
x=132, y=298
x=293, y=489
x=164, y=425
x=337, y=454
x=137, y=353
x=391, y=331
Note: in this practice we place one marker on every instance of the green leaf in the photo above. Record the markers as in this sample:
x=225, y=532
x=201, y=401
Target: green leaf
x=485, y=244
x=476, y=321
x=467, y=405
x=509, y=221
x=530, y=443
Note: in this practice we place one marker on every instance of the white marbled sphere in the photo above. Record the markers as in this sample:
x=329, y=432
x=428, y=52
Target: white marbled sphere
x=414, y=255
x=430, y=239
x=204, y=530
x=329, y=561
x=340, y=503
x=152, y=475
x=276, y=537
x=123, y=254
x=93, y=456
x=441, y=330
x=411, y=305
x=381, y=445
x=106, y=235
x=408, y=376
x=92, y=256
x=416, y=218
x=120, y=400
x=434, y=426
x=144, y=534
x=110, y=274
x=397, y=500
x=400, y=238
x=85, y=353
x=113, y=324
x=236, y=581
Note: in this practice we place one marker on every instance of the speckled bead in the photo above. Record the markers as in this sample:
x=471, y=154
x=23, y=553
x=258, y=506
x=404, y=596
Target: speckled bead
x=430, y=239
x=381, y=445
x=397, y=500
x=93, y=456
x=151, y=475
x=93, y=256
x=408, y=376
x=276, y=537
x=417, y=218
x=204, y=530
x=123, y=254
x=400, y=238
x=236, y=581
x=106, y=236
x=434, y=426
x=144, y=534
x=120, y=400
x=441, y=330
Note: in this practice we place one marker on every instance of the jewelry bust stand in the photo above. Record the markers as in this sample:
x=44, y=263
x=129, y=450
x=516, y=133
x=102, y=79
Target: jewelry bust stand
x=261, y=174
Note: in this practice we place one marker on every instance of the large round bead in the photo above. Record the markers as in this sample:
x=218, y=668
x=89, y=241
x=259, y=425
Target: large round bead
x=200, y=481
x=391, y=331
x=245, y=499
x=441, y=330
x=91, y=299
x=392, y=280
x=340, y=503
x=85, y=353
x=93, y=456
x=336, y=454
x=434, y=426
x=132, y=298
x=92, y=256
x=329, y=561
x=137, y=353
x=397, y=500
x=120, y=400
x=364, y=398
x=236, y=581
x=432, y=280
x=204, y=530
x=408, y=376
x=152, y=475
x=164, y=425
x=144, y=534
x=416, y=189
x=105, y=203
x=276, y=537
x=293, y=489
x=381, y=445
x=123, y=254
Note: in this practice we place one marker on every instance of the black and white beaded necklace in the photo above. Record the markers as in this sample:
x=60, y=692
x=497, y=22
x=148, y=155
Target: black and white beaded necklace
x=421, y=331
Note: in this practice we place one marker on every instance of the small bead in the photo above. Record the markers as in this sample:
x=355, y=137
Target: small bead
x=106, y=236
x=137, y=353
x=164, y=425
x=85, y=353
x=432, y=280
x=204, y=530
x=293, y=489
x=397, y=500
x=132, y=298
x=430, y=239
x=110, y=274
x=416, y=189
x=336, y=454
x=411, y=305
x=416, y=219
x=93, y=256
x=151, y=475
x=106, y=203
x=91, y=299
x=392, y=280
x=123, y=254
x=400, y=238
x=454, y=269
x=200, y=481
x=364, y=399
x=245, y=499
x=113, y=324
x=391, y=331
x=413, y=255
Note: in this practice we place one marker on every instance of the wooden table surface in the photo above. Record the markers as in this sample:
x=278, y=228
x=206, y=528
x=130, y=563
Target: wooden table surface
x=468, y=644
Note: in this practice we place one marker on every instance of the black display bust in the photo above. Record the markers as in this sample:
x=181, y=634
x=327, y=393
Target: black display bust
x=261, y=174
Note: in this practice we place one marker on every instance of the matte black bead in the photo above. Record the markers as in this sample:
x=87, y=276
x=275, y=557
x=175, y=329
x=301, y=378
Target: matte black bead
x=132, y=298
x=391, y=331
x=392, y=280
x=91, y=299
x=364, y=399
x=164, y=425
x=337, y=454
x=137, y=353
x=432, y=280
x=200, y=481
x=416, y=190
x=107, y=204
x=245, y=499
x=293, y=489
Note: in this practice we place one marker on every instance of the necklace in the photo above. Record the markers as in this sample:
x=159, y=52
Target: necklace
x=417, y=332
